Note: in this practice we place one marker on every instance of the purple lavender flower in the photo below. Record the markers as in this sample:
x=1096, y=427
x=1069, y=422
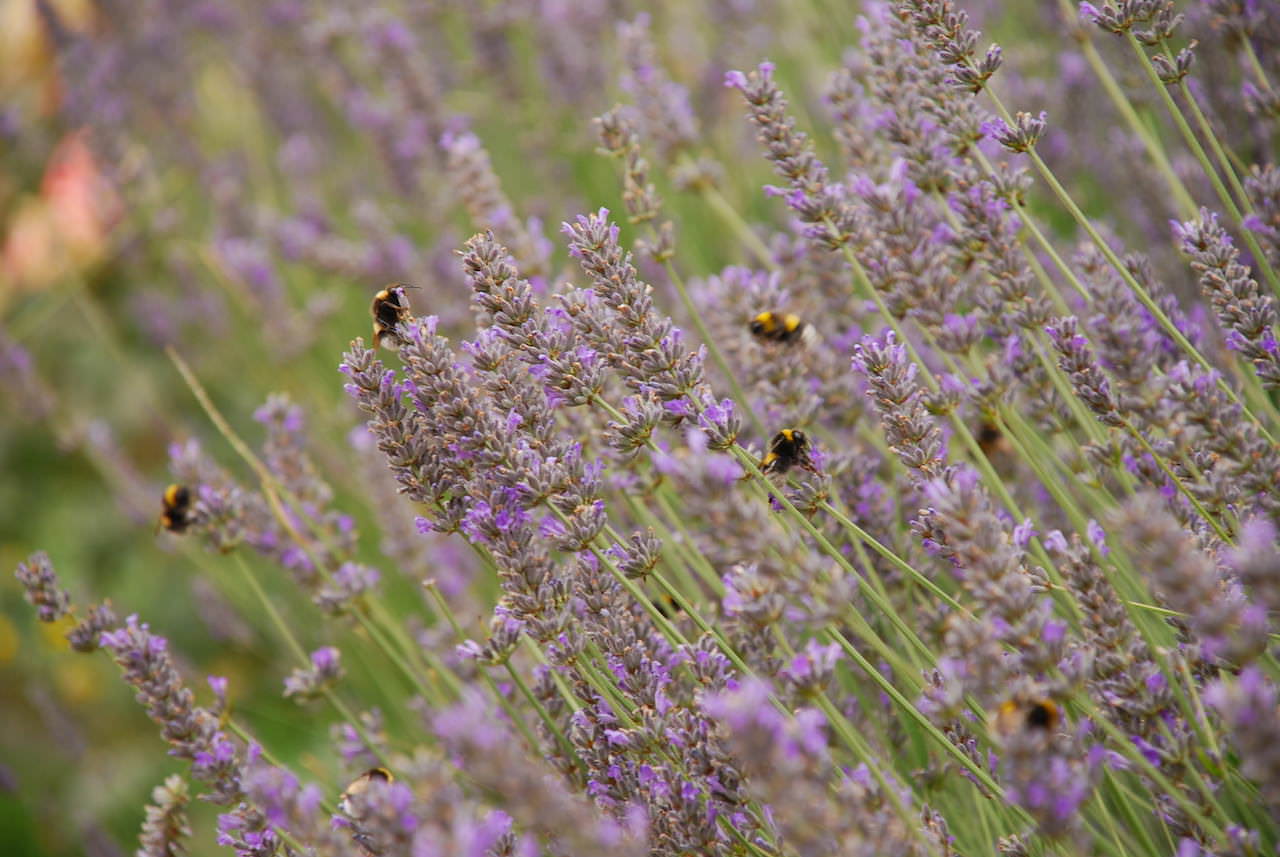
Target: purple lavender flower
x=944, y=28
x=1225, y=623
x=1249, y=705
x=647, y=348
x=86, y=636
x=307, y=683
x=811, y=194
x=481, y=194
x=1243, y=310
x=41, y=584
x=192, y=731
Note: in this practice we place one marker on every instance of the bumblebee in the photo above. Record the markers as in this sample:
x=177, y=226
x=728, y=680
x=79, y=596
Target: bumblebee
x=789, y=447
x=360, y=785
x=991, y=440
x=666, y=605
x=1040, y=715
x=772, y=326
x=390, y=308
x=176, y=514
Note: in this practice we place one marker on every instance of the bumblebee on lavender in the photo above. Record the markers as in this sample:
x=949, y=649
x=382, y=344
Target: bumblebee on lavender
x=360, y=785
x=991, y=440
x=780, y=327
x=1011, y=717
x=176, y=513
x=390, y=308
x=789, y=448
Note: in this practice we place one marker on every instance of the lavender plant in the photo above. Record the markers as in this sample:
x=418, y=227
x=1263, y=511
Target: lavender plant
x=923, y=501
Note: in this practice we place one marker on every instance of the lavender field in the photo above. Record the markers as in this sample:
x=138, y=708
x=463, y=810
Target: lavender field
x=749, y=428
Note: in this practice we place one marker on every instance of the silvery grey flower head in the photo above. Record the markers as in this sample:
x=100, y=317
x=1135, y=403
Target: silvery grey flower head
x=1256, y=562
x=572, y=373
x=1262, y=185
x=1173, y=71
x=1119, y=17
x=1244, y=455
x=40, y=583
x=341, y=592
x=504, y=636
x=490, y=209
x=307, y=683
x=537, y=802
x=1046, y=776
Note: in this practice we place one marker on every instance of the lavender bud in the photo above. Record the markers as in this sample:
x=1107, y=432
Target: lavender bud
x=1226, y=624
x=1250, y=707
x=1256, y=561
x=1242, y=308
x=1118, y=18
x=87, y=635
x=345, y=587
x=811, y=195
x=640, y=554
x=619, y=139
x=504, y=636
x=643, y=414
x=1044, y=779
x=891, y=385
x=1263, y=188
x=166, y=823
x=1173, y=72
x=41, y=584
x=307, y=683
x=810, y=671
x=1088, y=380
x=944, y=29
x=489, y=207
x=1025, y=133
x=668, y=119
x=192, y=731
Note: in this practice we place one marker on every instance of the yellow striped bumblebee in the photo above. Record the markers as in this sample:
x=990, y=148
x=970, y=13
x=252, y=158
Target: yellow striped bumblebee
x=1037, y=715
x=780, y=327
x=360, y=785
x=991, y=440
x=789, y=447
x=390, y=308
x=176, y=514
x=667, y=606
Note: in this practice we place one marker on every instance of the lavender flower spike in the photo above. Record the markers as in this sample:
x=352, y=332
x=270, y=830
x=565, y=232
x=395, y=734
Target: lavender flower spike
x=811, y=194
x=307, y=683
x=1227, y=625
x=1244, y=311
x=1249, y=705
x=166, y=823
x=192, y=731
x=41, y=584
x=648, y=351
